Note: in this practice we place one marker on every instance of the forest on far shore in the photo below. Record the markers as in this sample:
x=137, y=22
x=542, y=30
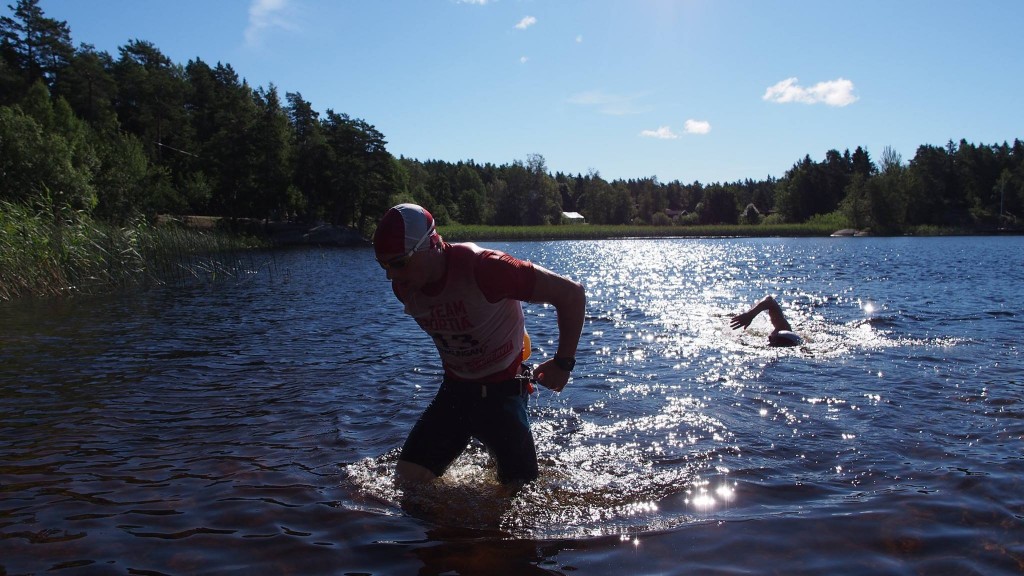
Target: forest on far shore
x=117, y=138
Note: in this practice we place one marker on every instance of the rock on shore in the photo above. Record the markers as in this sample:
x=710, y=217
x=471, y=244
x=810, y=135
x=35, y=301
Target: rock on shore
x=286, y=234
x=277, y=233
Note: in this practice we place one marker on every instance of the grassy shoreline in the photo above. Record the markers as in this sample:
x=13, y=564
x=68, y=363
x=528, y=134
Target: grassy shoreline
x=47, y=254
x=462, y=233
x=459, y=232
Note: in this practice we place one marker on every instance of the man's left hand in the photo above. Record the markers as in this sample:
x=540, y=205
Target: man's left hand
x=550, y=376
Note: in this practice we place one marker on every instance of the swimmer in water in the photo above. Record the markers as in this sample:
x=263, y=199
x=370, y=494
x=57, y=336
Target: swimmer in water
x=783, y=334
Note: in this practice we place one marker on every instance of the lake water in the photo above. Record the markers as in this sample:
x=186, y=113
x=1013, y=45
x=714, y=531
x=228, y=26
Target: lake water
x=250, y=425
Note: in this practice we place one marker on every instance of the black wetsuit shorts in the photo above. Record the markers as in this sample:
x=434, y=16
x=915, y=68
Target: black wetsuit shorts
x=461, y=411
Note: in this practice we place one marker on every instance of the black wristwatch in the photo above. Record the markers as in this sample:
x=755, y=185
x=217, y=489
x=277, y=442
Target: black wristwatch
x=566, y=364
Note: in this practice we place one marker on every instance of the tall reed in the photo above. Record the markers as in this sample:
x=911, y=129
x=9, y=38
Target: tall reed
x=50, y=253
x=175, y=252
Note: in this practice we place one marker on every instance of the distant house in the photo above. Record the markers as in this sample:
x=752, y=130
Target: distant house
x=573, y=218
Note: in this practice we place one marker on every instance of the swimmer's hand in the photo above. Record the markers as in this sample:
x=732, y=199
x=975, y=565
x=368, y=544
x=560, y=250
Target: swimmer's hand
x=742, y=320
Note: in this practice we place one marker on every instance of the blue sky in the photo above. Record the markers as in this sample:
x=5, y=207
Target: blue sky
x=688, y=90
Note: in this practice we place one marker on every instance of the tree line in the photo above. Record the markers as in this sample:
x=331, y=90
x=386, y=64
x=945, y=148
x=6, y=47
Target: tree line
x=85, y=132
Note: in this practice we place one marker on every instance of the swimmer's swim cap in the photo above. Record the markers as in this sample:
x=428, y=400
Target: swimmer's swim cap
x=784, y=338
x=404, y=229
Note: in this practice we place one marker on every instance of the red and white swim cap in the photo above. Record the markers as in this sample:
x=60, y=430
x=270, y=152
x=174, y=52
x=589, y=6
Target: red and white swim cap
x=404, y=228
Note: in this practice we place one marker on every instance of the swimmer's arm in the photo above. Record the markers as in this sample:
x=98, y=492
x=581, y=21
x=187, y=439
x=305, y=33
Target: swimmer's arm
x=775, y=313
x=778, y=319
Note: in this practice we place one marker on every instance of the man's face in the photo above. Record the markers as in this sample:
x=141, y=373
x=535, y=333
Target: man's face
x=406, y=271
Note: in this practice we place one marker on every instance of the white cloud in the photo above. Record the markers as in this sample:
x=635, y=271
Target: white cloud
x=477, y=2
x=579, y=38
x=662, y=133
x=697, y=126
x=523, y=59
x=837, y=92
x=264, y=14
x=613, y=104
x=526, y=22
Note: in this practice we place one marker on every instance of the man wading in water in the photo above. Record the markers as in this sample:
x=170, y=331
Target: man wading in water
x=469, y=300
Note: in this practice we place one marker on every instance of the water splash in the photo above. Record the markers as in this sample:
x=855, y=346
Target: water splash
x=596, y=478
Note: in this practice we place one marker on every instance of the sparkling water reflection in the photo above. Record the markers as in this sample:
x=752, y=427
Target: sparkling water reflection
x=253, y=425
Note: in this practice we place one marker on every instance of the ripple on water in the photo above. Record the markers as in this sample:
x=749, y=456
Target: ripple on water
x=201, y=430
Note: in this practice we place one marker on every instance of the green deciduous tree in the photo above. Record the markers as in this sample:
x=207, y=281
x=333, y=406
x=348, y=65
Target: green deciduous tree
x=121, y=178
x=512, y=195
x=44, y=164
x=470, y=193
x=544, y=204
x=879, y=202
